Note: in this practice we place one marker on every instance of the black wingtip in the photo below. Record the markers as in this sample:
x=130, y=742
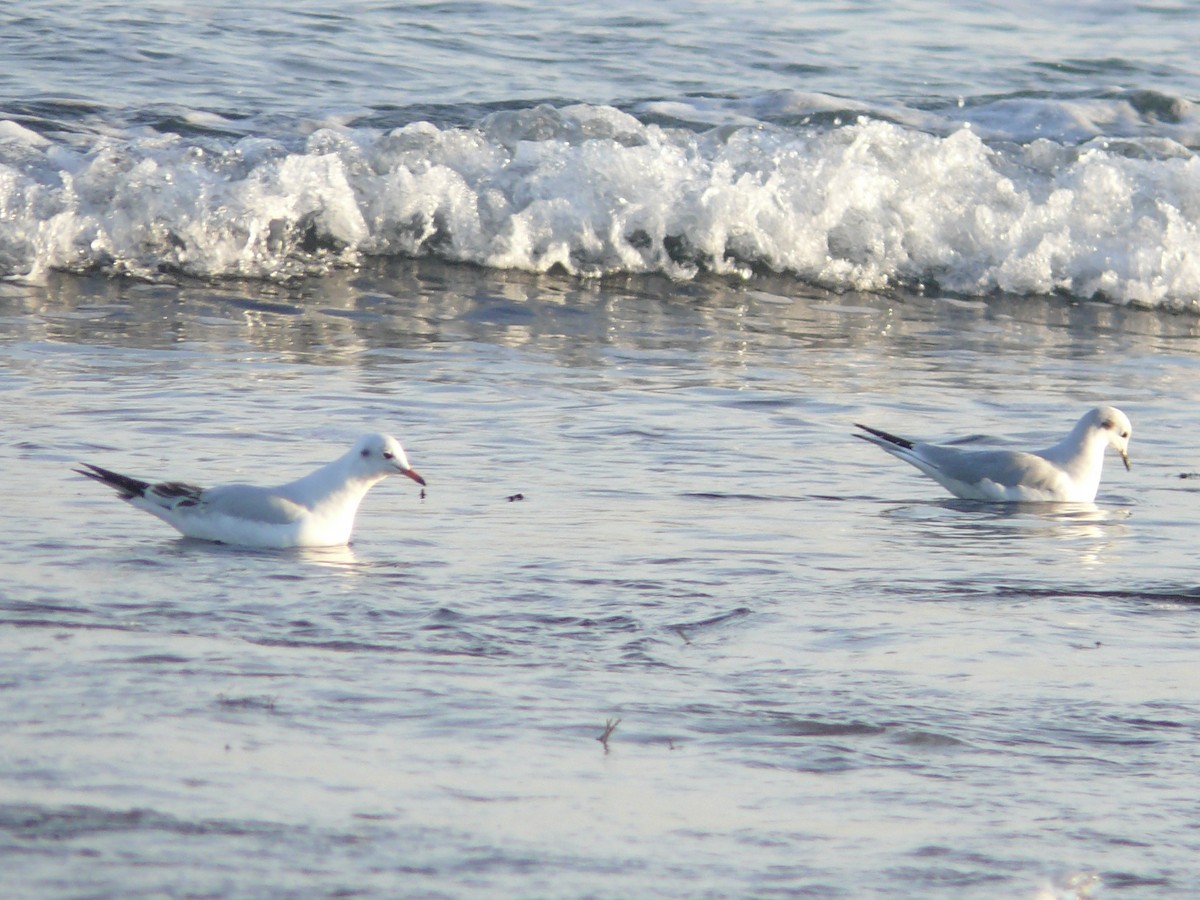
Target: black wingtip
x=127, y=487
x=883, y=435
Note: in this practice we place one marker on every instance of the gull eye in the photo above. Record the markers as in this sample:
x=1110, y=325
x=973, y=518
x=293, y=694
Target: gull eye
x=1124, y=434
x=388, y=454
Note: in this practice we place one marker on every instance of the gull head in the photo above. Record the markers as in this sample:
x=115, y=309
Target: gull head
x=1114, y=426
x=376, y=455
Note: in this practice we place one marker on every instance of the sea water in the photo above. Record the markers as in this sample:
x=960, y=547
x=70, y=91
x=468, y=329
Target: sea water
x=600, y=140
x=621, y=278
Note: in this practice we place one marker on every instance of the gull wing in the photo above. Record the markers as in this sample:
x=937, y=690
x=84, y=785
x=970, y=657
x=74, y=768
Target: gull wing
x=252, y=504
x=977, y=474
x=1004, y=468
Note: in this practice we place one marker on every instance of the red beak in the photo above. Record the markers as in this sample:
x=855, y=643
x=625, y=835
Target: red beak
x=414, y=475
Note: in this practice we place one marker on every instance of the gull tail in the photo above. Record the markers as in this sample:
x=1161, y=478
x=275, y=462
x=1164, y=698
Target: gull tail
x=882, y=438
x=128, y=488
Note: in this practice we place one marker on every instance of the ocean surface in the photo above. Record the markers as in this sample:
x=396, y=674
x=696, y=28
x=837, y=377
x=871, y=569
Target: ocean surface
x=621, y=278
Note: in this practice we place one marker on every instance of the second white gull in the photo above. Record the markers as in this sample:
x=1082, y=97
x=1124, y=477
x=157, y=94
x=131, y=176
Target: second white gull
x=1067, y=472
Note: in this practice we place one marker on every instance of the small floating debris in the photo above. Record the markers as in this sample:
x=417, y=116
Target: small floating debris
x=513, y=498
x=609, y=727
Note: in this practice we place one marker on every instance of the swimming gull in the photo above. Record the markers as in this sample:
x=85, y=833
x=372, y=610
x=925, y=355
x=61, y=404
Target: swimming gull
x=1067, y=472
x=317, y=510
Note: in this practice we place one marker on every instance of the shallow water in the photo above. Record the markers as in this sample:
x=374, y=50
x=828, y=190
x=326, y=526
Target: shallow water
x=645, y=508
x=829, y=678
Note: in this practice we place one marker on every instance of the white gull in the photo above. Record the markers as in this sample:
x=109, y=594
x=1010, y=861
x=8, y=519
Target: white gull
x=317, y=510
x=1067, y=472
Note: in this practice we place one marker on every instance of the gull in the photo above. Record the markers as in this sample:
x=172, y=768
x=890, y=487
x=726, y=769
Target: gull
x=317, y=510
x=1067, y=472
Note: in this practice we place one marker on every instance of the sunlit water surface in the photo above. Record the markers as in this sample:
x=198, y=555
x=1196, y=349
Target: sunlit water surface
x=644, y=505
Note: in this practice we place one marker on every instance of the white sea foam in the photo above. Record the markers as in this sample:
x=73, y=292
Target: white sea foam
x=863, y=204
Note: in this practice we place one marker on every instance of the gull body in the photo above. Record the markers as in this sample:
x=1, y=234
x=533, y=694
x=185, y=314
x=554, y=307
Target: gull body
x=1067, y=472
x=317, y=510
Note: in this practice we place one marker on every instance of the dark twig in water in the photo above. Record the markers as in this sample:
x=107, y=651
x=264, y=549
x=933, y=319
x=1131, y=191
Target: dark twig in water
x=516, y=497
x=262, y=702
x=609, y=727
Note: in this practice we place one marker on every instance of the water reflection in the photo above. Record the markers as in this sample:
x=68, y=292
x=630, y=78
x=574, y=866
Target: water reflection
x=1086, y=532
x=342, y=557
x=373, y=315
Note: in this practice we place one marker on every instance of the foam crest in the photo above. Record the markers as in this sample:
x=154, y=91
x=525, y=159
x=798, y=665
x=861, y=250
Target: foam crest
x=867, y=204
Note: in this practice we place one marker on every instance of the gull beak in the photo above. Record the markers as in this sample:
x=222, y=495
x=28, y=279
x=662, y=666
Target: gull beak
x=415, y=476
x=1125, y=459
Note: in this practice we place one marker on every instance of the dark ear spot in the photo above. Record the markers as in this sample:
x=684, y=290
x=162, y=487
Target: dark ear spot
x=366, y=452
